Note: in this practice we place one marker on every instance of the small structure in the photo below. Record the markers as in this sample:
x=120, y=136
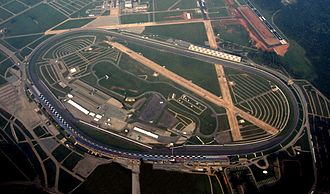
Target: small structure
x=128, y=4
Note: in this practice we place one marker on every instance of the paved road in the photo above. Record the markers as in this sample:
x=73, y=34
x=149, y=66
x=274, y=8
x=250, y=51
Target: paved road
x=193, y=152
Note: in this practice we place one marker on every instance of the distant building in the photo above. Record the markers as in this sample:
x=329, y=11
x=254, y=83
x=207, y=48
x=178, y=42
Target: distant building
x=128, y=4
x=142, y=7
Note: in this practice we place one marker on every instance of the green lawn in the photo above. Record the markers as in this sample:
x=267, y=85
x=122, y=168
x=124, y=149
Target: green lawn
x=2, y=2
x=2, y=81
x=297, y=62
x=5, y=65
x=20, y=42
x=37, y=19
x=188, y=68
x=67, y=182
x=186, y=4
x=30, y=2
x=182, y=32
x=218, y=12
x=61, y=152
x=15, y=7
x=108, y=177
x=51, y=171
x=74, y=23
x=170, y=182
x=163, y=5
x=232, y=33
x=215, y=3
x=4, y=14
x=134, y=18
x=174, y=15
x=71, y=161
x=2, y=56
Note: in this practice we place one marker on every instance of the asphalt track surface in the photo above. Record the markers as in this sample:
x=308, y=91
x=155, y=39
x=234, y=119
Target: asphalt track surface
x=207, y=152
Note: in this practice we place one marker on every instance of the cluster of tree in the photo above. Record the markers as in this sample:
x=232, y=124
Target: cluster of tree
x=308, y=23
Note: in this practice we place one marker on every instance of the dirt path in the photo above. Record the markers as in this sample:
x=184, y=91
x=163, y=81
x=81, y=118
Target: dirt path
x=115, y=11
x=210, y=34
x=226, y=96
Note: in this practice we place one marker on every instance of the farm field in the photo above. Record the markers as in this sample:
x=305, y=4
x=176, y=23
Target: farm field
x=180, y=32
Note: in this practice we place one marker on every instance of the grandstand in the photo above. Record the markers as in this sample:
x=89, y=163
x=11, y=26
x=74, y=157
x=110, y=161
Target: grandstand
x=215, y=53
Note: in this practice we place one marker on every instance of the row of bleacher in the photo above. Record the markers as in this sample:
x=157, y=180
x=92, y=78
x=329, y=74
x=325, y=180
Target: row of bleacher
x=215, y=53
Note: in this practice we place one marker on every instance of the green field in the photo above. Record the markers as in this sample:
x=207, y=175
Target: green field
x=39, y=131
x=71, y=161
x=51, y=171
x=4, y=14
x=181, y=32
x=2, y=56
x=298, y=64
x=20, y=42
x=133, y=85
x=73, y=23
x=218, y=12
x=161, y=5
x=30, y=2
x=158, y=181
x=61, y=152
x=134, y=18
x=2, y=81
x=186, y=4
x=39, y=41
x=215, y=3
x=179, y=65
x=174, y=15
x=109, y=177
x=158, y=16
x=242, y=2
x=232, y=33
x=37, y=19
x=25, y=52
x=15, y=7
x=5, y=65
x=67, y=182
x=41, y=152
x=2, y=2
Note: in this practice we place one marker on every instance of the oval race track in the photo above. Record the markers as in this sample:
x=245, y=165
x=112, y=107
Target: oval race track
x=204, y=152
